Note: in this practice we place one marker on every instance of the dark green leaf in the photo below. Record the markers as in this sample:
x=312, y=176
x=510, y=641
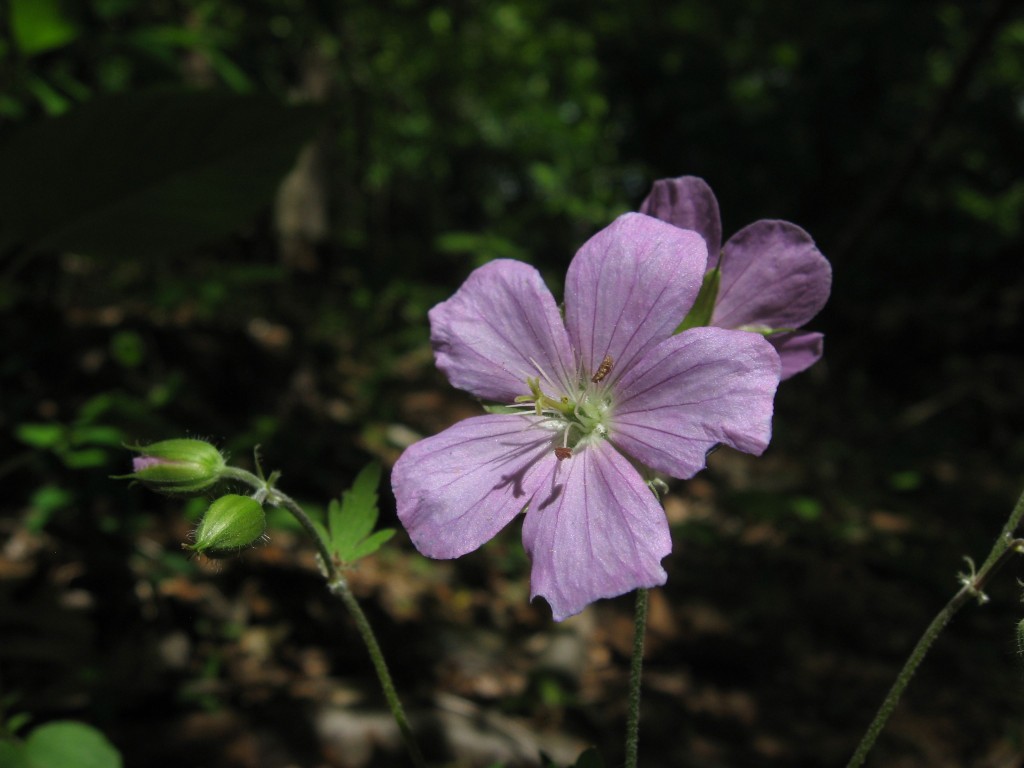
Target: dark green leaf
x=590, y=758
x=41, y=25
x=12, y=755
x=66, y=744
x=146, y=173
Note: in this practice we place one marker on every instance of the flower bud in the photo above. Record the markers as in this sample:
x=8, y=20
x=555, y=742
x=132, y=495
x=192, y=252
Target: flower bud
x=232, y=523
x=182, y=466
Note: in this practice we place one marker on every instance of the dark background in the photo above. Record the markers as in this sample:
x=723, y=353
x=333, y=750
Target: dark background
x=157, y=281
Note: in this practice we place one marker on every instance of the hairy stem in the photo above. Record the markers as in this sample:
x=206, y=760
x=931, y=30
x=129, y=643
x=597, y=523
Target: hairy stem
x=635, y=671
x=338, y=586
x=1002, y=552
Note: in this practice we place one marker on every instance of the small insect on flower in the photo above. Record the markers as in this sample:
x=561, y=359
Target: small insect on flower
x=603, y=369
x=563, y=453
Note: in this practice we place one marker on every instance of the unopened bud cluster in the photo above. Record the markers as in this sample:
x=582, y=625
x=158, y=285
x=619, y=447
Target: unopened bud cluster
x=188, y=467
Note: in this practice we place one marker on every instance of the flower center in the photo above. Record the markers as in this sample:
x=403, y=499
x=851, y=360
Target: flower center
x=581, y=416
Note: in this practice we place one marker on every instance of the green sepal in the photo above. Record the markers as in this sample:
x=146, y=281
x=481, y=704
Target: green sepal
x=764, y=330
x=702, y=309
x=231, y=524
x=351, y=521
x=502, y=409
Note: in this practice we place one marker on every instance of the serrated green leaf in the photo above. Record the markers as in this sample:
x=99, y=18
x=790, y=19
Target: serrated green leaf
x=351, y=522
x=67, y=744
x=373, y=542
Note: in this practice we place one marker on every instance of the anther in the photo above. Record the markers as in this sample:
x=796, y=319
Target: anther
x=563, y=453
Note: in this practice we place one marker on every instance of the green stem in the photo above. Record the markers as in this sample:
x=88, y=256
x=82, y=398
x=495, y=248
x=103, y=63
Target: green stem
x=635, y=671
x=1002, y=552
x=340, y=588
x=338, y=585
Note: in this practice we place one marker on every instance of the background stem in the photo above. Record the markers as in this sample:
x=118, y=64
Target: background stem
x=1002, y=552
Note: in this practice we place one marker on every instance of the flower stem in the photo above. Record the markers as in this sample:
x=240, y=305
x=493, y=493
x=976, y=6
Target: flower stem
x=1002, y=552
x=635, y=670
x=338, y=586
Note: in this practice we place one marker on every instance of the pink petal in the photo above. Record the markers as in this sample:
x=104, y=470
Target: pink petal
x=457, y=489
x=773, y=276
x=700, y=388
x=595, y=530
x=629, y=287
x=798, y=351
x=500, y=328
x=687, y=203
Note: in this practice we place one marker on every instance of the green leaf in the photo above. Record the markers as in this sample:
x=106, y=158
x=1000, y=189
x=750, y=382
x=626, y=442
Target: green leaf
x=67, y=744
x=40, y=435
x=12, y=755
x=373, y=542
x=352, y=521
x=41, y=25
x=16, y=722
x=590, y=758
x=146, y=173
x=85, y=458
x=96, y=434
x=46, y=502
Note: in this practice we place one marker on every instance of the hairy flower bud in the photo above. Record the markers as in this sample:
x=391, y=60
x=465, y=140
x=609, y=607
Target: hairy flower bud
x=178, y=467
x=232, y=523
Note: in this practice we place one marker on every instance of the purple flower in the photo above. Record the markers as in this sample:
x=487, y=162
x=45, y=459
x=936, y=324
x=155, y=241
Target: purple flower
x=595, y=400
x=773, y=278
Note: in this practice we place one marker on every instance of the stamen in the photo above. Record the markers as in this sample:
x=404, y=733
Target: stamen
x=603, y=369
x=543, y=375
x=562, y=453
